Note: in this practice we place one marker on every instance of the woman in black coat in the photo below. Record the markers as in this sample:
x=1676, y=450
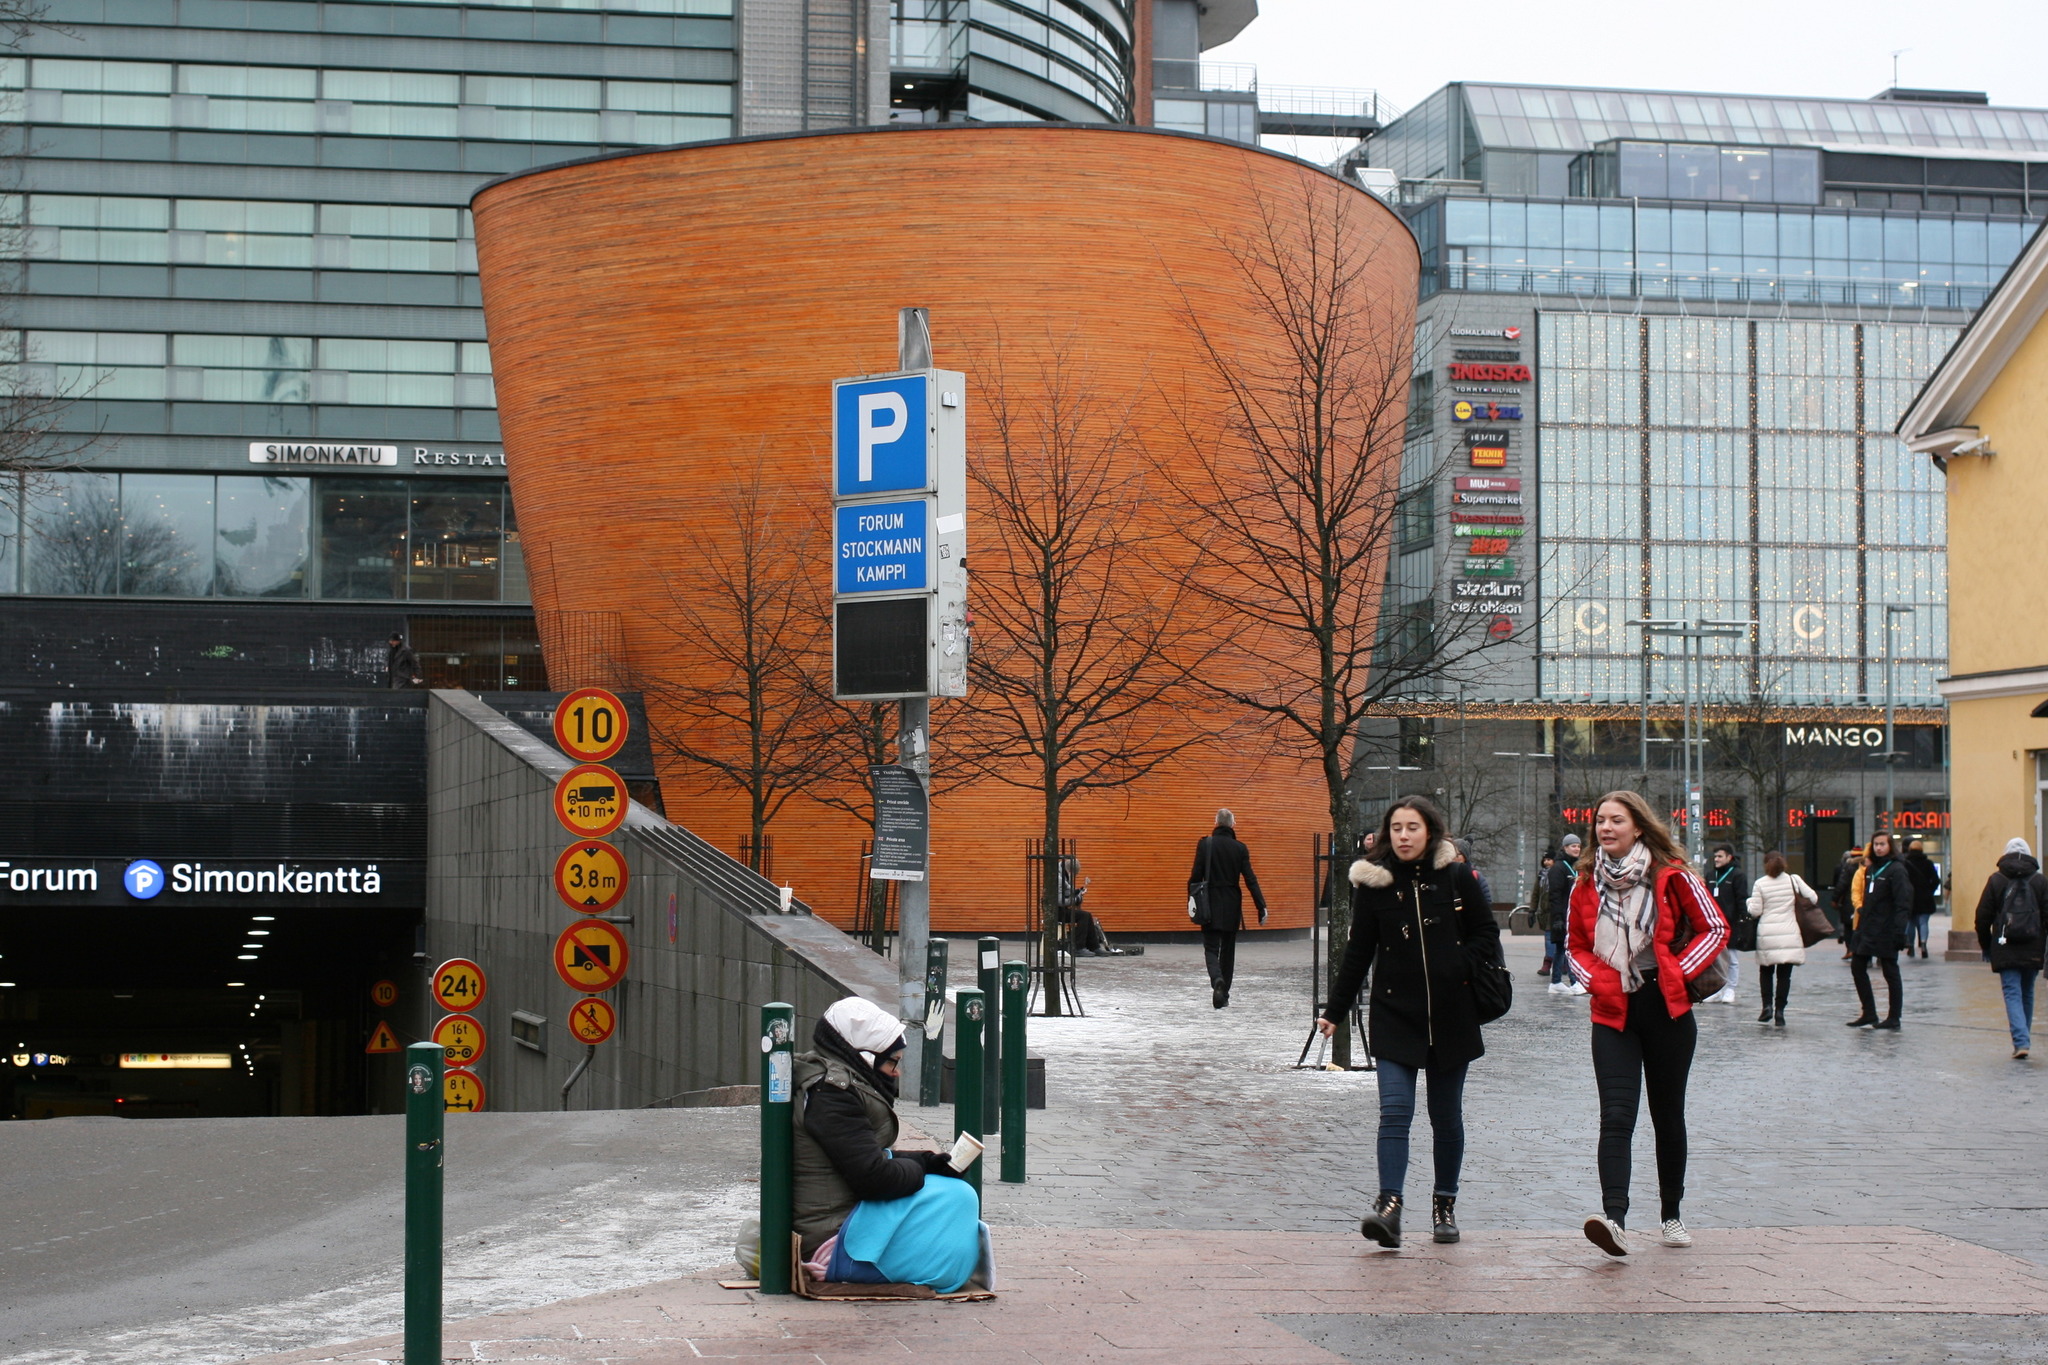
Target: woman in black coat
x=1418, y=913
x=1880, y=931
x=1221, y=860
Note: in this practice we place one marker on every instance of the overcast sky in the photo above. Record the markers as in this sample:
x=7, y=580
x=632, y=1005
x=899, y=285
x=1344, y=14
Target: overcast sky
x=1838, y=48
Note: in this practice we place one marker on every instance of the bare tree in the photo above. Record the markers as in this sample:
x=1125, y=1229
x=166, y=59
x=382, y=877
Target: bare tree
x=1745, y=751
x=1294, y=514
x=1084, y=653
x=750, y=611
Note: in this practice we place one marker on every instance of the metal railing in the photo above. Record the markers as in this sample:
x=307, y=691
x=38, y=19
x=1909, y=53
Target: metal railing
x=1323, y=101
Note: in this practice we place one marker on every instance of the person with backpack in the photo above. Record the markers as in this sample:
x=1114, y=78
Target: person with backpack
x=2009, y=930
x=1881, y=927
x=1423, y=927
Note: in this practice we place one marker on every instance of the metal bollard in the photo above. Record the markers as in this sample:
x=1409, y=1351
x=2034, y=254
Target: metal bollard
x=425, y=1116
x=1016, y=1069
x=967, y=1075
x=778, y=1146
x=989, y=976
x=934, y=1065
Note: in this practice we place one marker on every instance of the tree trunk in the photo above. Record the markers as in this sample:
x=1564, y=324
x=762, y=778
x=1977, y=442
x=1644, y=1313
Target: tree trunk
x=1342, y=838
x=1049, y=897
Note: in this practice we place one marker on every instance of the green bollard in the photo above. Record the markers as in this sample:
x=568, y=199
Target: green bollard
x=989, y=976
x=425, y=1115
x=967, y=1075
x=929, y=1077
x=778, y=1146
x=1016, y=1070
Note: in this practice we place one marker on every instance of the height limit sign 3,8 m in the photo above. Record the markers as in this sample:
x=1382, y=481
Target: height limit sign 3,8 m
x=899, y=543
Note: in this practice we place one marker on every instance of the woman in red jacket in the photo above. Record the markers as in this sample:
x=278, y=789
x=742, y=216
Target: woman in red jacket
x=1633, y=889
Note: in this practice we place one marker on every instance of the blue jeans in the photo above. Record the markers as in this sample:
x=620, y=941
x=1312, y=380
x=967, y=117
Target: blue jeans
x=1558, y=971
x=2019, y=1014
x=1918, y=931
x=1446, y=1122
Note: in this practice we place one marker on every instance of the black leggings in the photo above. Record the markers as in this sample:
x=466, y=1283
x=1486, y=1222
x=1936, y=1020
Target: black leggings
x=1651, y=1049
x=1783, y=971
x=1859, y=971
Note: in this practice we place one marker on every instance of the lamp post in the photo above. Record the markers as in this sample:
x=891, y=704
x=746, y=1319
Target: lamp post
x=1692, y=712
x=1522, y=762
x=1891, y=747
x=1389, y=769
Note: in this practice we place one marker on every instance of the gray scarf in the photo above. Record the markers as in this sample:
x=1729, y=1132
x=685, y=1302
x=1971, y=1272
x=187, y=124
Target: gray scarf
x=1628, y=911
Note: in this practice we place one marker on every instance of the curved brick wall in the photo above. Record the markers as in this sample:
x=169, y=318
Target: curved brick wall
x=655, y=315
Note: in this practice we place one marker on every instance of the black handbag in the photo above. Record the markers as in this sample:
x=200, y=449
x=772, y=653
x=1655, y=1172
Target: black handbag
x=1493, y=986
x=1198, y=891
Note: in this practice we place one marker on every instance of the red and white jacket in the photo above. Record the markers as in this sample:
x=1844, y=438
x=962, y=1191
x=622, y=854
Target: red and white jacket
x=1679, y=891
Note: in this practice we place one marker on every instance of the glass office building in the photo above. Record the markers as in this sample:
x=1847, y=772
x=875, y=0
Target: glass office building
x=1662, y=342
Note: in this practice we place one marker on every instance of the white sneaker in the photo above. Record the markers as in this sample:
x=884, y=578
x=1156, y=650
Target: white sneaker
x=1576, y=989
x=1674, y=1234
x=1605, y=1233
x=1557, y=988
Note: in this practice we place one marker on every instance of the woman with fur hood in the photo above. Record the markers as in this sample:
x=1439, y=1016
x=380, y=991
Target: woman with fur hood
x=1417, y=912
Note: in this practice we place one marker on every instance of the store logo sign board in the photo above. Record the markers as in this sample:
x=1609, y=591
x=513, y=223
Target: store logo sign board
x=1489, y=372
x=1496, y=592
x=1494, y=333
x=1465, y=410
x=322, y=453
x=1482, y=483
x=1489, y=566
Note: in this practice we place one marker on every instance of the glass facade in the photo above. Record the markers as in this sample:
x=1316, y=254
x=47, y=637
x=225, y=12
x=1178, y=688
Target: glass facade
x=249, y=535
x=1738, y=469
x=1011, y=60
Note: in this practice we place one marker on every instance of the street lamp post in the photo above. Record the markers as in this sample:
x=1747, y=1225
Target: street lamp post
x=1692, y=712
x=1891, y=748
x=1522, y=762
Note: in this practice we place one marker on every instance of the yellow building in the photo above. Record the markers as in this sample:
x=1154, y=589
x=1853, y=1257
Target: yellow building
x=1983, y=418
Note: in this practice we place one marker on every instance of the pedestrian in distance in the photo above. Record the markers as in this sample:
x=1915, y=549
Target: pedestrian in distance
x=1539, y=906
x=1418, y=923
x=2009, y=916
x=1730, y=885
x=1636, y=893
x=1464, y=850
x=1926, y=879
x=1880, y=931
x=1221, y=862
x=1846, y=896
x=1773, y=907
x=401, y=665
x=1563, y=874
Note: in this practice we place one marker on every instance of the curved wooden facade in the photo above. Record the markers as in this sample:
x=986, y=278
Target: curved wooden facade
x=657, y=318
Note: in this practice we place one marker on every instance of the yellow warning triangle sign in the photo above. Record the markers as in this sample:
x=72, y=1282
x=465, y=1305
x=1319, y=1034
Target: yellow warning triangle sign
x=383, y=1040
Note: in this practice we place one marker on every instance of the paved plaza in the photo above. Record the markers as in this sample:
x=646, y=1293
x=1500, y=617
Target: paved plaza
x=1192, y=1198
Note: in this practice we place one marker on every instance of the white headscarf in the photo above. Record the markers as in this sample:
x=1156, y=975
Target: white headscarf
x=867, y=1028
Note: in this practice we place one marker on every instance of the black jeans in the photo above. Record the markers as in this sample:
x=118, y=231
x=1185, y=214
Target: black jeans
x=1859, y=967
x=1783, y=971
x=1219, y=947
x=1651, y=1049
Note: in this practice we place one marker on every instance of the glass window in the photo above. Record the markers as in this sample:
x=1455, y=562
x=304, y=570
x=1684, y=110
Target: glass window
x=1795, y=175
x=10, y=533
x=262, y=540
x=515, y=587
x=1465, y=222
x=1693, y=172
x=166, y=525
x=362, y=538
x=73, y=537
x=1746, y=175
x=456, y=533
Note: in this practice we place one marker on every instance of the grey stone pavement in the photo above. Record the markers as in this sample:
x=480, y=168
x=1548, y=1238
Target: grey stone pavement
x=134, y=1243
x=1167, y=1113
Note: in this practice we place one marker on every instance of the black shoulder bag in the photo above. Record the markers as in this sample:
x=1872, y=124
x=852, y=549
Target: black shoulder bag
x=1198, y=891
x=1491, y=983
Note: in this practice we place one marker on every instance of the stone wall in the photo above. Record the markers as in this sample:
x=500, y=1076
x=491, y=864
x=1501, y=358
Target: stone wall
x=708, y=944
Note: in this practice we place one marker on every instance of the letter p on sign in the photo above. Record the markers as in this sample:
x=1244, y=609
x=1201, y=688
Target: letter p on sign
x=884, y=417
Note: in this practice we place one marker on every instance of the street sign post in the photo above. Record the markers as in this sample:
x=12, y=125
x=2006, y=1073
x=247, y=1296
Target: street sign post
x=590, y=725
x=591, y=956
x=592, y=1020
x=461, y=1092
x=461, y=1037
x=590, y=800
x=384, y=994
x=459, y=985
x=382, y=1040
x=591, y=876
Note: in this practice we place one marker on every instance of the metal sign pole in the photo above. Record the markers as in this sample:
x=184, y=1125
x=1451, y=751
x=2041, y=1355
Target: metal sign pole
x=425, y=1115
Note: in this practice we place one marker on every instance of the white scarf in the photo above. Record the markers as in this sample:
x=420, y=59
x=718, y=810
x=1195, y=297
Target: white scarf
x=1628, y=911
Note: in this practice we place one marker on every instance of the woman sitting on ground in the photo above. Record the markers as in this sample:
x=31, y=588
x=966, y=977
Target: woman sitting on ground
x=867, y=1214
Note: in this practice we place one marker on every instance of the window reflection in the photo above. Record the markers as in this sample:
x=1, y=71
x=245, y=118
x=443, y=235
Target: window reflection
x=362, y=538
x=73, y=543
x=455, y=535
x=166, y=524
x=262, y=539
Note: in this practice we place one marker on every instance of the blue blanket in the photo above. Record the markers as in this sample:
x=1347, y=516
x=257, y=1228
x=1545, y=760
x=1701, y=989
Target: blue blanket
x=932, y=1238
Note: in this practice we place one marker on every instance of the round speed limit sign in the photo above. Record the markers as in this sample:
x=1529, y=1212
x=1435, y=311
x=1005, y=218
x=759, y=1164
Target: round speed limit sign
x=590, y=725
x=458, y=985
x=461, y=1037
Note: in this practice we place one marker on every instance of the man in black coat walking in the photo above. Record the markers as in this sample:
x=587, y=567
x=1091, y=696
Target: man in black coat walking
x=1221, y=860
x=1561, y=876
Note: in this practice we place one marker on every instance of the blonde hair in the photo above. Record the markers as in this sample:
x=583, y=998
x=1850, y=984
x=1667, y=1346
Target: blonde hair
x=1664, y=850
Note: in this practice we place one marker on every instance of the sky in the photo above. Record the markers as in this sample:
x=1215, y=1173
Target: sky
x=1838, y=48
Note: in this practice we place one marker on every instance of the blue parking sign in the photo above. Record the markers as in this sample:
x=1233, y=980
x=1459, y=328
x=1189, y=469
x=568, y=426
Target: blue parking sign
x=882, y=546
x=881, y=436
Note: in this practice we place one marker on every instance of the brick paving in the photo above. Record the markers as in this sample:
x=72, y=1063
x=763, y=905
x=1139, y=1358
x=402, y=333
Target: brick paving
x=1193, y=1199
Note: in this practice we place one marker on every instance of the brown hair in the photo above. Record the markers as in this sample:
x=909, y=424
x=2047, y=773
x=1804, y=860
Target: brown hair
x=1774, y=864
x=1433, y=822
x=1664, y=850
x=1891, y=846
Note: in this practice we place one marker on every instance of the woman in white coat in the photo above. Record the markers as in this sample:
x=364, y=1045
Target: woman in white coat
x=1779, y=944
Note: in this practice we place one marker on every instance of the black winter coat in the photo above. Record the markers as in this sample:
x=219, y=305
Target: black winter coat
x=2005, y=956
x=1730, y=886
x=1231, y=860
x=1558, y=882
x=1422, y=926
x=1887, y=907
x=1926, y=882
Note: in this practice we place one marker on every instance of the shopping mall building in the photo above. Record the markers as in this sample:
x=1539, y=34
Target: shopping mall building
x=1663, y=341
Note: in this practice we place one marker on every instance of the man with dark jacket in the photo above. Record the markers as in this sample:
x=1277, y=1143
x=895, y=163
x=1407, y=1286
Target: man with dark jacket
x=1563, y=874
x=2016, y=955
x=1880, y=929
x=1843, y=896
x=1220, y=861
x=1926, y=886
x=401, y=665
x=1730, y=885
